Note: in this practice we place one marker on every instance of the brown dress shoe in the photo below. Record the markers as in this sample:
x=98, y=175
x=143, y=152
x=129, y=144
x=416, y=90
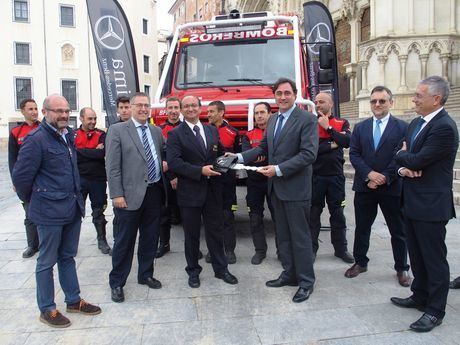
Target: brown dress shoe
x=83, y=307
x=55, y=319
x=404, y=278
x=355, y=270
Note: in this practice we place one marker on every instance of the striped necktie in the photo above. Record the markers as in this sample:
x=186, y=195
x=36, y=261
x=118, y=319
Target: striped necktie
x=151, y=168
x=278, y=128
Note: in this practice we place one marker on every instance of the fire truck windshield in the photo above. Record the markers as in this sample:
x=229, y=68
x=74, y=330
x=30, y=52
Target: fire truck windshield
x=249, y=62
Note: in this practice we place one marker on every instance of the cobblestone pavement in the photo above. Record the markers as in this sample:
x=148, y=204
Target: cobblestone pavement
x=340, y=311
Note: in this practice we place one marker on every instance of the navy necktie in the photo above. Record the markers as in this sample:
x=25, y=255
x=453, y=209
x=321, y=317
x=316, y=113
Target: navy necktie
x=278, y=128
x=151, y=168
x=377, y=133
x=416, y=130
x=199, y=137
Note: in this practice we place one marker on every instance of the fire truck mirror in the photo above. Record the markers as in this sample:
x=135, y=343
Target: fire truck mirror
x=325, y=76
x=326, y=56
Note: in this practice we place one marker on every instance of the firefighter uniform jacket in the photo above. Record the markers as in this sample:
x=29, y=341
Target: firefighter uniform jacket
x=17, y=136
x=91, y=161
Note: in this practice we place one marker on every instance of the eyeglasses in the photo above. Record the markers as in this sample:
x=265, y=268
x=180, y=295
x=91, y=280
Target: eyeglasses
x=285, y=93
x=60, y=111
x=142, y=105
x=379, y=101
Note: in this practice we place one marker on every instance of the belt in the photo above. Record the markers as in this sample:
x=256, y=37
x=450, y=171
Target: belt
x=153, y=184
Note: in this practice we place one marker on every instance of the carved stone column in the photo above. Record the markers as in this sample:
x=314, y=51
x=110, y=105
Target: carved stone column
x=402, y=77
x=391, y=29
x=423, y=60
x=445, y=62
x=350, y=70
x=410, y=18
x=454, y=69
x=382, y=59
x=432, y=15
x=372, y=15
x=364, y=65
x=453, y=20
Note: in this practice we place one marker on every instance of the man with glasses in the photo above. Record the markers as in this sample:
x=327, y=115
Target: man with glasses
x=376, y=183
x=427, y=159
x=134, y=166
x=46, y=176
x=17, y=135
x=192, y=148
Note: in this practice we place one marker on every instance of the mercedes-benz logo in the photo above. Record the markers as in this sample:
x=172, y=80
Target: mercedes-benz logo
x=318, y=34
x=109, y=32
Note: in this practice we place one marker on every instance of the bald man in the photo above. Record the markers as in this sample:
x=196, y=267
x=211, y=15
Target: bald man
x=328, y=177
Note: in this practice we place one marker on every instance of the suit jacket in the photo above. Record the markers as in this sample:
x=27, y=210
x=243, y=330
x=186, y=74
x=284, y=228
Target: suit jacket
x=186, y=158
x=295, y=152
x=364, y=158
x=430, y=197
x=46, y=175
x=126, y=163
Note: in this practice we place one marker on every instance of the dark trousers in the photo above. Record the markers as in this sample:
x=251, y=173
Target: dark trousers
x=331, y=189
x=256, y=195
x=427, y=253
x=147, y=220
x=211, y=212
x=31, y=228
x=365, y=213
x=96, y=190
x=167, y=213
x=294, y=240
x=58, y=244
x=229, y=206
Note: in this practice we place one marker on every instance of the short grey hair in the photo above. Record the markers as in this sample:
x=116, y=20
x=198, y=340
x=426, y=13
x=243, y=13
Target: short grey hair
x=437, y=86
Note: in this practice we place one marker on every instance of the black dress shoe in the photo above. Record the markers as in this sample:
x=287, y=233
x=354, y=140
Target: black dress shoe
x=345, y=256
x=302, y=294
x=151, y=283
x=280, y=282
x=227, y=277
x=455, y=284
x=258, y=258
x=29, y=252
x=426, y=323
x=407, y=303
x=117, y=295
x=194, y=282
x=162, y=250
x=231, y=257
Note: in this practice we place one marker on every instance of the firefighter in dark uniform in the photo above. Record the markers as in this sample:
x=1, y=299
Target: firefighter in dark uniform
x=90, y=144
x=230, y=139
x=170, y=213
x=17, y=135
x=257, y=191
x=328, y=177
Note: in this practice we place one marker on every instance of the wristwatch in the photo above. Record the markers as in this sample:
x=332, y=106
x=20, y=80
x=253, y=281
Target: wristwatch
x=329, y=129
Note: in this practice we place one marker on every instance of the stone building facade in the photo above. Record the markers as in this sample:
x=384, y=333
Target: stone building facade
x=384, y=42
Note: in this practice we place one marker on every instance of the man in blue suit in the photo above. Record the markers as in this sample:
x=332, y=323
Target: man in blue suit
x=376, y=183
x=46, y=176
x=427, y=159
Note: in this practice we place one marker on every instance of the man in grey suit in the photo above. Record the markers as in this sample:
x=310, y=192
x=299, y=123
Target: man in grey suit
x=291, y=144
x=136, y=183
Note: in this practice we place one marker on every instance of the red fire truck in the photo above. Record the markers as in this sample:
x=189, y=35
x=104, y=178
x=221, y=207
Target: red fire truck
x=236, y=59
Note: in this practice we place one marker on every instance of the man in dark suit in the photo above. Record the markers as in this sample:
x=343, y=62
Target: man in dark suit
x=46, y=178
x=137, y=186
x=291, y=144
x=192, y=149
x=427, y=159
x=376, y=183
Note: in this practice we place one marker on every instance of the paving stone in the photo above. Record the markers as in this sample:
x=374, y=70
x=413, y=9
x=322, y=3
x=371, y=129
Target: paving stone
x=219, y=331
x=13, y=338
x=406, y=338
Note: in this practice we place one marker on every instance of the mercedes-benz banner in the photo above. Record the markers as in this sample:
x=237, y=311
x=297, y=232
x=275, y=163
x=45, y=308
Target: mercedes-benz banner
x=319, y=30
x=115, y=53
